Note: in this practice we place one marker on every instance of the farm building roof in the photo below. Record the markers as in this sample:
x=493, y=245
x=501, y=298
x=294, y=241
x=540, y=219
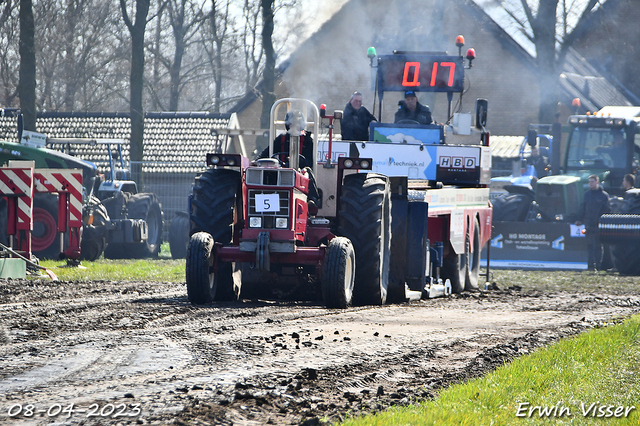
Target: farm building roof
x=173, y=141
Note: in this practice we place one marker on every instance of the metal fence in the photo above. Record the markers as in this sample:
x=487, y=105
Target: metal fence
x=172, y=182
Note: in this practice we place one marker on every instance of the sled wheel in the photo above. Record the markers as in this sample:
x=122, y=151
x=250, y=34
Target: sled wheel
x=473, y=258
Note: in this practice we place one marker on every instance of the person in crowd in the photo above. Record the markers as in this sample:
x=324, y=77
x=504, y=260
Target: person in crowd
x=281, y=142
x=538, y=162
x=595, y=204
x=628, y=182
x=294, y=121
x=354, y=125
x=411, y=109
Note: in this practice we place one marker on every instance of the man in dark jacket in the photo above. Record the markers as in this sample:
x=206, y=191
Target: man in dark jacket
x=595, y=204
x=294, y=121
x=411, y=109
x=281, y=142
x=354, y=125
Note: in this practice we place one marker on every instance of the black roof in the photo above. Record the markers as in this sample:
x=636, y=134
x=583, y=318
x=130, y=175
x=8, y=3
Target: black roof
x=173, y=141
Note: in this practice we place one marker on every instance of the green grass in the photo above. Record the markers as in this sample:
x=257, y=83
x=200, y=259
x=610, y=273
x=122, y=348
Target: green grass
x=161, y=269
x=600, y=366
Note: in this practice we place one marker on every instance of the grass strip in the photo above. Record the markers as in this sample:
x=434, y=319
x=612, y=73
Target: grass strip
x=582, y=380
x=166, y=270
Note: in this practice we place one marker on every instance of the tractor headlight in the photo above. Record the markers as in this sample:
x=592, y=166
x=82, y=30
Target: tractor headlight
x=215, y=159
x=364, y=164
x=281, y=222
x=255, y=222
x=231, y=161
x=348, y=163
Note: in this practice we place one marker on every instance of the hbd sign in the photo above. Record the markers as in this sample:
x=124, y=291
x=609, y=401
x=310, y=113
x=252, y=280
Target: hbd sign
x=457, y=162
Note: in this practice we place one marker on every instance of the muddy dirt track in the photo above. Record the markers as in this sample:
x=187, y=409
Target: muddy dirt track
x=138, y=353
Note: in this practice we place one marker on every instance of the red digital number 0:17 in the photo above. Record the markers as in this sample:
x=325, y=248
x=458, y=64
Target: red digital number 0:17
x=415, y=76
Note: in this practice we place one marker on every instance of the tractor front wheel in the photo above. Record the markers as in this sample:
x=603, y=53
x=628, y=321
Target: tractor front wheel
x=339, y=273
x=201, y=279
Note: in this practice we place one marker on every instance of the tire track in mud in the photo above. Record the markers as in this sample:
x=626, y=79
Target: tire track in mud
x=256, y=362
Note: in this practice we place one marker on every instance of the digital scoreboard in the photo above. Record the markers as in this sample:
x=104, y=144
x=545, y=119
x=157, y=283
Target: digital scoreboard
x=419, y=72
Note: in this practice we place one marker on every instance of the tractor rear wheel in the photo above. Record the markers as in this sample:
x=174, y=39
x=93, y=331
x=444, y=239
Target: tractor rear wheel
x=179, y=235
x=201, y=280
x=626, y=258
x=339, y=273
x=45, y=238
x=626, y=255
x=212, y=211
x=473, y=258
x=146, y=206
x=365, y=219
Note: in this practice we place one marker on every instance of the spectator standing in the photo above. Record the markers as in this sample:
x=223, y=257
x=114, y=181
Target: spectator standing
x=354, y=125
x=595, y=204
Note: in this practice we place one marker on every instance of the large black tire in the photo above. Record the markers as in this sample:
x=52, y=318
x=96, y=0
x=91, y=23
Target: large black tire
x=365, y=219
x=212, y=211
x=473, y=258
x=626, y=255
x=201, y=280
x=94, y=238
x=339, y=273
x=45, y=238
x=146, y=206
x=511, y=207
x=179, y=235
x=454, y=268
x=116, y=207
x=626, y=258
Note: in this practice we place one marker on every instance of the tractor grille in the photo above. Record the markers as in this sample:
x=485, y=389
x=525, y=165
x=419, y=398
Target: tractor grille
x=558, y=201
x=277, y=177
x=269, y=218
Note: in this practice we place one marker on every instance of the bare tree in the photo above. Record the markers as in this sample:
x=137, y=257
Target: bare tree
x=9, y=60
x=186, y=19
x=553, y=26
x=137, y=31
x=269, y=73
x=221, y=26
x=27, y=83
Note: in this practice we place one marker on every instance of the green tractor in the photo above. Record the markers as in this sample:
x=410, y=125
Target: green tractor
x=606, y=144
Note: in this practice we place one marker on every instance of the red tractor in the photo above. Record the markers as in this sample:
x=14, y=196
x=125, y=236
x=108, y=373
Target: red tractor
x=254, y=229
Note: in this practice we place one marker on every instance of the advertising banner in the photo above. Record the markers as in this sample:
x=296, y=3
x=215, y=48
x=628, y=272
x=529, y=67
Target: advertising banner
x=536, y=245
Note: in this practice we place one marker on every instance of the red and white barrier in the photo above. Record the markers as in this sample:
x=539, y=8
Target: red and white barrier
x=18, y=184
